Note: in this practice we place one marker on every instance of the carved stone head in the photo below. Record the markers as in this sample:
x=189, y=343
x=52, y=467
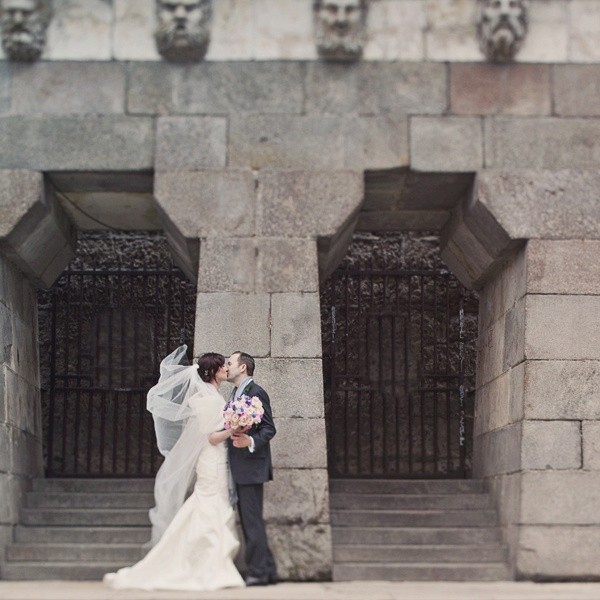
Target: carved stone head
x=340, y=28
x=183, y=31
x=501, y=27
x=23, y=25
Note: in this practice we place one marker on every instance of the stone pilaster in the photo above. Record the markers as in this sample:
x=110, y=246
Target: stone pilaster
x=264, y=237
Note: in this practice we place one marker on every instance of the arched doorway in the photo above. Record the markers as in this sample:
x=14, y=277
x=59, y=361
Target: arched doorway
x=119, y=307
x=399, y=347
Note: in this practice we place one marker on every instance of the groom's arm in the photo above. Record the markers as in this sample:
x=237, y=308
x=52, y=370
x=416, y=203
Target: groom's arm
x=265, y=430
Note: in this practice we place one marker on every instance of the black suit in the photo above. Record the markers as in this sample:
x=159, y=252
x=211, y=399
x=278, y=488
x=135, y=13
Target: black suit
x=249, y=471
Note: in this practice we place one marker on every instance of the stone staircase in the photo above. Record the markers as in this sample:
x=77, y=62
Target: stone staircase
x=415, y=530
x=79, y=529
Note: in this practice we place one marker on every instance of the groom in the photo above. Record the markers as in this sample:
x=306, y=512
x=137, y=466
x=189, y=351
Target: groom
x=250, y=464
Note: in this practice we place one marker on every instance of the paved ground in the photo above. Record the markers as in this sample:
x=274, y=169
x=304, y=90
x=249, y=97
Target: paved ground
x=375, y=590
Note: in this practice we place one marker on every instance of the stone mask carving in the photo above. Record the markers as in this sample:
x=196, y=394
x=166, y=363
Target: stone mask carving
x=183, y=31
x=23, y=24
x=501, y=28
x=340, y=28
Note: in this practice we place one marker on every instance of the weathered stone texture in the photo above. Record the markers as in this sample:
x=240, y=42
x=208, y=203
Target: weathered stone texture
x=500, y=402
x=299, y=444
x=217, y=88
x=559, y=552
x=22, y=403
x=376, y=143
x=68, y=88
x=563, y=327
x=496, y=89
x=498, y=452
x=563, y=267
x=446, y=143
x=296, y=325
x=297, y=497
x=286, y=265
x=287, y=142
x=544, y=204
x=191, y=143
x=591, y=445
x=295, y=386
x=577, y=90
x=396, y=31
x=80, y=30
x=5, y=87
x=490, y=352
x=548, y=35
x=551, y=445
x=283, y=30
x=584, y=19
x=310, y=558
x=560, y=497
x=220, y=328
x=542, y=143
x=450, y=31
x=19, y=191
x=26, y=454
x=514, y=335
x=233, y=31
x=210, y=202
x=368, y=89
x=135, y=21
x=227, y=265
x=307, y=203
x=502, y=292
x=562, y=389
x=77, y=143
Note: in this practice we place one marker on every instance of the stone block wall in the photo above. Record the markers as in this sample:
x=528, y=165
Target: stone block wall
x=20, y=410
x=258, y=291
x=537, y=410
x=406, y=30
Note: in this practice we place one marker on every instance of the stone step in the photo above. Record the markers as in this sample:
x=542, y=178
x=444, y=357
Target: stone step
x=414, y=535
x=125, y=553
x=93, y=486
x=427, y=571
x=89, y=500
x=131, y=517
x=409, y=501
x=92, y=571
x=413, y=518
x=407, y=486
x=82, y=535
x=419, y=553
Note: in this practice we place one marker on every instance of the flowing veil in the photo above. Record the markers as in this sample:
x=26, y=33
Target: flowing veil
x=178, y=436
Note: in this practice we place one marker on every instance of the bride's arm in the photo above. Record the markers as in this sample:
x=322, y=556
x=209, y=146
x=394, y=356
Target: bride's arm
x=216, y=437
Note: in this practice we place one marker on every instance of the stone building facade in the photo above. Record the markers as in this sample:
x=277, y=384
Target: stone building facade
x=261, y=161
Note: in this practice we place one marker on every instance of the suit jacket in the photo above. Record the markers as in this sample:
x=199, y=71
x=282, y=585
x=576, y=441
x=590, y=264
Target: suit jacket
x=254, y=467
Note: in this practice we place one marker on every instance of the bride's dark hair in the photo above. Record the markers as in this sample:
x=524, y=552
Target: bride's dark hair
x=209, y=364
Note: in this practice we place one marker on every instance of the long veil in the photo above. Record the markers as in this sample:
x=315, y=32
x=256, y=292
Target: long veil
x=177, y=434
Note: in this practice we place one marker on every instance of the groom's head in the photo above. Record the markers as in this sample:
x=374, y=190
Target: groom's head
x=239, y=366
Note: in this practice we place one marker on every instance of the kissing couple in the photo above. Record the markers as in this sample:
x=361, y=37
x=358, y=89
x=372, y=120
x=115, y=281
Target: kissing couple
x=194, y=539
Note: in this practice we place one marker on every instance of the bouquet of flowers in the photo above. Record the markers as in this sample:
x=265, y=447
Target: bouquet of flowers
x=243, y=412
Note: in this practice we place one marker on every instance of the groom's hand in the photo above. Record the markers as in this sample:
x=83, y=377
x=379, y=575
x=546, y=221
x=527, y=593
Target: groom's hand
x=241, y=440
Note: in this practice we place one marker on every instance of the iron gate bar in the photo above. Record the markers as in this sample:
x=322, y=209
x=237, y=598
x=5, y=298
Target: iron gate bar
x=96, y=424
x=381, y=303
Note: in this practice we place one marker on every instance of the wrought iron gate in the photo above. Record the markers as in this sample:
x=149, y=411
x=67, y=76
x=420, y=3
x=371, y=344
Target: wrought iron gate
x=395, y=396
x=107, y=323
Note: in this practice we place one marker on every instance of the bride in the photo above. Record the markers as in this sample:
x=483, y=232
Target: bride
x=193, y=541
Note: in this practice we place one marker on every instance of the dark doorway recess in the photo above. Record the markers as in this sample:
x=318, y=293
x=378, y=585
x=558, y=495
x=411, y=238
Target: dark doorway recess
x=399, y=339
x=105, y=325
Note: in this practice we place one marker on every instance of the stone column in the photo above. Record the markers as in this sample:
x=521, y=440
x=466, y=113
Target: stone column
x=537, y=437
x=263, y=235
x=35, y=244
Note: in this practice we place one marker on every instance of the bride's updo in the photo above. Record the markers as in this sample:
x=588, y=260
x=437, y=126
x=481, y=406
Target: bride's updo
x=209, y=364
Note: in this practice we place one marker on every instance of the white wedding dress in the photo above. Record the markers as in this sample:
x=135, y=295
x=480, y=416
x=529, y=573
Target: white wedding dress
x=196, y=551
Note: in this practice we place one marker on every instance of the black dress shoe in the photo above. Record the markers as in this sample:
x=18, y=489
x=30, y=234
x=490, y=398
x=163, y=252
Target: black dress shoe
x=250, y=581
x=273, y=579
